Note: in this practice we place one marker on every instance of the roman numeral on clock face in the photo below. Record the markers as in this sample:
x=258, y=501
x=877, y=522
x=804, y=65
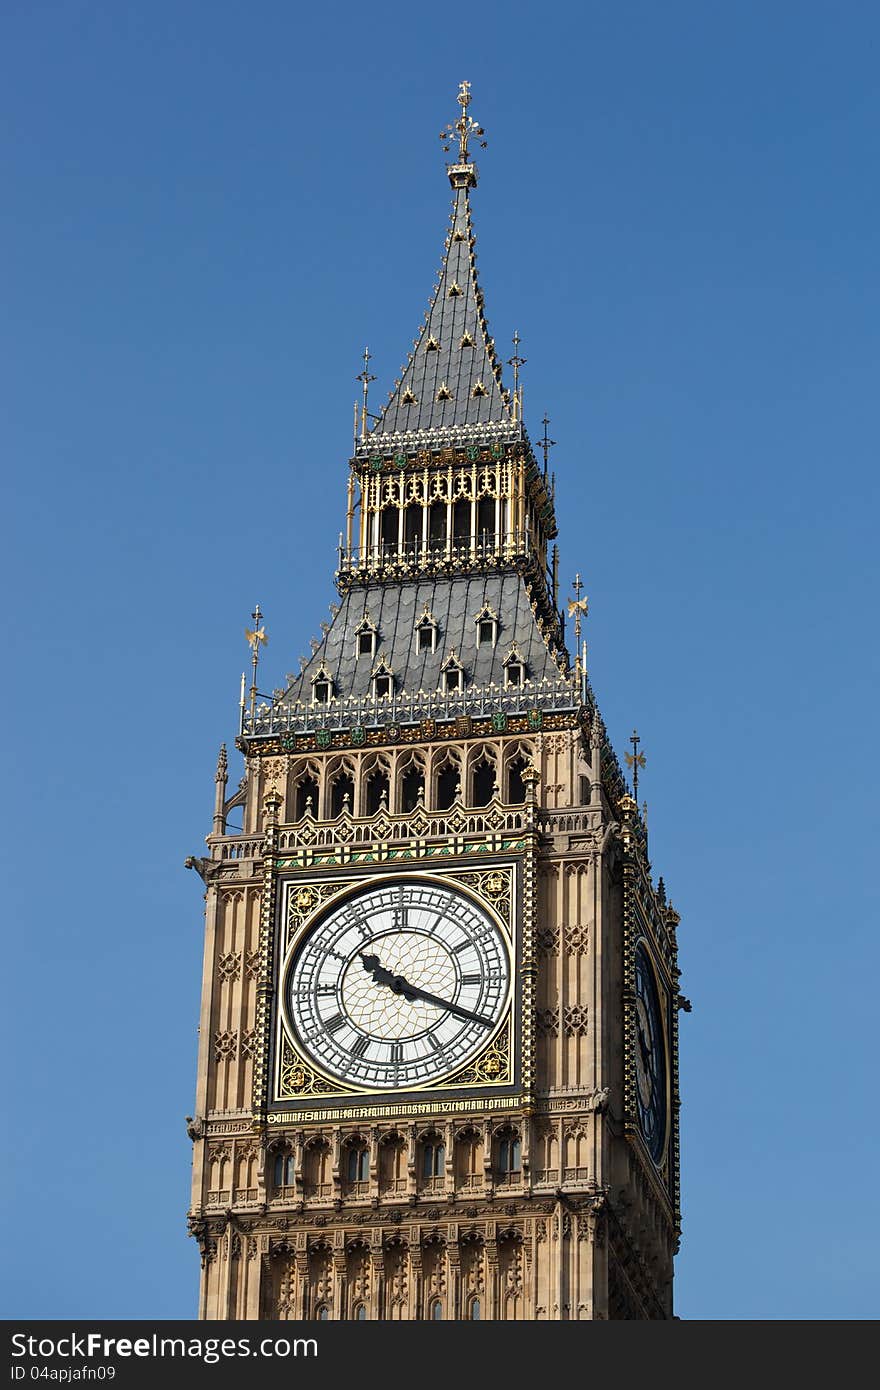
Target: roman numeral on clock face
x=396, y=1052
x=359, y=1047
x=471, y=979
x=335, y=1023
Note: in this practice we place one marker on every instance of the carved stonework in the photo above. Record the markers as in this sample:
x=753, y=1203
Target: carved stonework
x=574, y=1018
x=225, y=1046
x=547, y=1023
x=229, y=966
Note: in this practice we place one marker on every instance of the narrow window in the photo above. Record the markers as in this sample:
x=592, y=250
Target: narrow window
x=342, y=795
x=475, y=1313
x=436, y=1310
x=381, y=686
x=358, y=1165
x=433, y=1160
x=389, y=530
x=360, y=1312
x=516, y=787
x=486, y=632
x=412, y=785
x=322, y=692
x=484, y=783
x=323, y=1313
x=377, y=793
x=365, y=644
x=513, y=674
x=437, y=521
x=426, y=638
x=447, y=787
x=452, y=680
x=461, y=522
x=306, y=797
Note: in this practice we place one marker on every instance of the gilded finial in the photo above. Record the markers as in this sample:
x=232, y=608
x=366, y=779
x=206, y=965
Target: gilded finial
x=546, y=443
x=578, y=608
x=516, y=362
x=635, y=760
x=365, y=377
x=463, y=174
x=256, y=638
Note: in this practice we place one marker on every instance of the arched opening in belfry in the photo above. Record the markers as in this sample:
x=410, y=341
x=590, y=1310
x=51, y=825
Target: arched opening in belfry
x=306, y=796
x=389, y=527
x=461, y=522
x=516, y=787
x=412, y=787
x=378, y=792
x=437, y=522
x=483, y=782
x=486, y=520
x=341, y=794
x=412, y=524
x=447, y=786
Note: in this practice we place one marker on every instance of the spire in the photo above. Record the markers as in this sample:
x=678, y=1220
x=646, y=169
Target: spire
x=453, y=376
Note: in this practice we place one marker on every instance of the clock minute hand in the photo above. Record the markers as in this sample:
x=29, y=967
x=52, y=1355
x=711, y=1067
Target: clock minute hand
x=400, y=985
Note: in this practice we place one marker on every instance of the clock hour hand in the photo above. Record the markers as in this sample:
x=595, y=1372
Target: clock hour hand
x=400, y=985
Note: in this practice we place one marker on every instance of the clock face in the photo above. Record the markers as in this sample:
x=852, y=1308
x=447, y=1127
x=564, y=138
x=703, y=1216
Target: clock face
x=398, y=985
x=650, y=1057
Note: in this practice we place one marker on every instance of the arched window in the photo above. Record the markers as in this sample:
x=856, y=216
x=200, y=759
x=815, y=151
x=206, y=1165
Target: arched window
x=306, y=796
x=341, y=794
x=360, y=1312
x=412, y=787
x=412, y=524
x=447, y=786
x=437, y=523
x=322, y=1312
x=283, y=1170
x=358, y=1167
x=508, y=1154
x=516, y=787
x=435, y=1312
x=389, y=530
x=377, y=792
x=474, y=1310
x=483, y=782
x=486, y=518
x=461, y=522
x=433, y=1158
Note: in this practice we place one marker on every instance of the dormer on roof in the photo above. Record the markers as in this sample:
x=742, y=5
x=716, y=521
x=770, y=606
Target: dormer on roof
x=322, y=686
x=488, y=626
x=382, y=679
x=366, y=636
x=452, y=674
x=426, y=632
x=515, y=669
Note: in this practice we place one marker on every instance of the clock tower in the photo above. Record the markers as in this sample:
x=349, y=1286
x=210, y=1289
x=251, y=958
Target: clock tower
x=437, y=1073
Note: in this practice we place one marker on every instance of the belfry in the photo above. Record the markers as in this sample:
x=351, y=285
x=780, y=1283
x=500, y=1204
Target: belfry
x=438, y=1062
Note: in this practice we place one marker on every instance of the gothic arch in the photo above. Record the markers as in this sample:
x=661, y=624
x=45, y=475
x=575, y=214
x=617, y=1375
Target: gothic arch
x=393, y=1163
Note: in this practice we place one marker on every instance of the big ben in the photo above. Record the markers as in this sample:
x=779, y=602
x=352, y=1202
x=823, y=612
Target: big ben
x=438, y=1061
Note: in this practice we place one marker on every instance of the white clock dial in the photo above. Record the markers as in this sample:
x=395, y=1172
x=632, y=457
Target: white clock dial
x=398, y=985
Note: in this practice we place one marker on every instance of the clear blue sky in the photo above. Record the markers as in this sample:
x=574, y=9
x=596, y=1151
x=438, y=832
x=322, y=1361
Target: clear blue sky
x=208, y=210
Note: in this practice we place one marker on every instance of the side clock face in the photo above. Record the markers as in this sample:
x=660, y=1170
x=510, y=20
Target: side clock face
x=650, y=1057
x=398, y=985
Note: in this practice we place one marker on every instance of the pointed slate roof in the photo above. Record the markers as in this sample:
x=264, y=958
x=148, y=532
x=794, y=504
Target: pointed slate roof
x=453, y=375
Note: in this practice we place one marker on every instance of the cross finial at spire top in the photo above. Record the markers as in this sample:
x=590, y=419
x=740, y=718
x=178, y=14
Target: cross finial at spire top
x=463, y=173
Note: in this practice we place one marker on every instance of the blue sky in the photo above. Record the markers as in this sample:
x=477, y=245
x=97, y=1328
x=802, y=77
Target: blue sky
x=208, y=210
